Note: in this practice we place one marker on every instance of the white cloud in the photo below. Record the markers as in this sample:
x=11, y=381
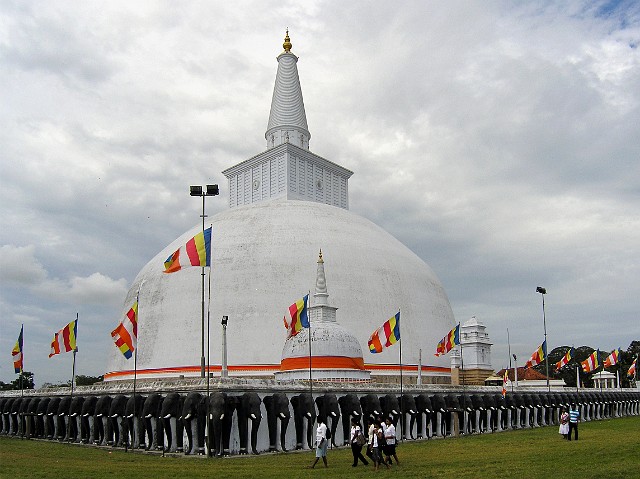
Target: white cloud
x=19, y=265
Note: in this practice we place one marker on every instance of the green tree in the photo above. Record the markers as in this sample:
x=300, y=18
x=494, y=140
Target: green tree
x=23, y=381
x=88, y=380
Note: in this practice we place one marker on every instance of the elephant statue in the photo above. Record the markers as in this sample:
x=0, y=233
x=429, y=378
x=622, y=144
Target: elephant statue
x=304, y=411
x=491, y=411
x=63, y=418
x=117, y=413
x=14, y=414
x=408, y=407
x=151, y=412
x=453, y=407
x=479, y=420
x=51, y=421
x=41, y=416
x=466, y=414
x=135, y=424
x=75, y=415
x=371, y=410
x=193, y=419
x=2, y=401
x=390, y=408
x=328, y=408
x=277, y=407
x=101, y=423
x=30, y=420
x=424, y=410
x=173, y=422
x=87, y=423
x=350, y=408
x=22, y=415
x=438, y=415
x=249, y=410
x=221, y=407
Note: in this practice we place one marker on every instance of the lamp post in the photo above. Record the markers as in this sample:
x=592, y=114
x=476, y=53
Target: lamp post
x=224, y=373
x=211, y=190
x=543, y=291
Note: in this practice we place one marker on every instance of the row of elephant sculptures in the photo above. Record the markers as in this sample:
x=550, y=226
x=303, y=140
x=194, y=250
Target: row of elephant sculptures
x=186, y=422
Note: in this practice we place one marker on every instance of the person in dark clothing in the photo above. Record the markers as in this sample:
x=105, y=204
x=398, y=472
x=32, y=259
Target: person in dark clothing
x=357, y=441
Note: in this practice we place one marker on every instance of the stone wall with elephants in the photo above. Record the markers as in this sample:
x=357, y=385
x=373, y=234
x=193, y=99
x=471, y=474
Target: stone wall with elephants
x=255, y=416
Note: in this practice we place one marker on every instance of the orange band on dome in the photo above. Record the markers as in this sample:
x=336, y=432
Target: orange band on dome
x=322, y=362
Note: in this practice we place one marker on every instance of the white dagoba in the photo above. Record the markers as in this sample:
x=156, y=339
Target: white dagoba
x=284, y=205
x=334, y=352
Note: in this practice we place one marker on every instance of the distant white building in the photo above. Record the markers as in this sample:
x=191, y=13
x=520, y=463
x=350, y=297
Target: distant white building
x=474, y=359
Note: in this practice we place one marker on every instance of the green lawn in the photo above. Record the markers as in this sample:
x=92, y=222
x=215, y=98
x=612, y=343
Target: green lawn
x=606, y=449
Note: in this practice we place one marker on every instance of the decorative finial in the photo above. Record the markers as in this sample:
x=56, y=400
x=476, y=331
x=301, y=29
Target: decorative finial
x=287, y=42
x=320, y=260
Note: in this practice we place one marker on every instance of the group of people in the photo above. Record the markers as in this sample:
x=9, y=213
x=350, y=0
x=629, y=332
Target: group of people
x=380, y=442
x=569, y=422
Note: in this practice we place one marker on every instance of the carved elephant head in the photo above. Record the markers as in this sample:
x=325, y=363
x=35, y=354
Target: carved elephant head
x=117, y=413
x=350, y=408
x=101, y=422
x=328, y=408
x=135, y=421
x=221, y=408
x=424, y=409
x=277, y=407
x=408, y=408
x=371, y=409
x=249, y=410
x=172, y=418
x=304, y=414
x=153, y=425
x=86, y=418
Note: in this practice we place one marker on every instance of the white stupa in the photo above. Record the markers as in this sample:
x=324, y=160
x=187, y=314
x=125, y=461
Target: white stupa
x=335, y=353
x=286, y=204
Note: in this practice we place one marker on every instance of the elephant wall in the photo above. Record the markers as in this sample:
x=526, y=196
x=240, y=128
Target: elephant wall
x=256, y=416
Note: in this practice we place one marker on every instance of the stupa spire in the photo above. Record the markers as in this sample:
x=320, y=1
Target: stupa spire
x=321, y=295
x=287, y=119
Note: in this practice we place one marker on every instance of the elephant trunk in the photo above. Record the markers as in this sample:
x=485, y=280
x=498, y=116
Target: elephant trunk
x=255, y=426
x=284, y=422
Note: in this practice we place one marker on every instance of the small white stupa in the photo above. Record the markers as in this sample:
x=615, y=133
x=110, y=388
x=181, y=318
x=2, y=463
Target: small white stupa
x=334, y=353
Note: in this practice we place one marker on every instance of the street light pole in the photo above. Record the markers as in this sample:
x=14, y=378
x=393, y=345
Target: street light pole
x=212, y=190
x=224, y=373
x=543, y=291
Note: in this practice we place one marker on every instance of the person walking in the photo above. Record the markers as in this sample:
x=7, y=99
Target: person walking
x=377, y=443
x=390, y=437
x=321, y=444
x=357, y=441
x=574, y=419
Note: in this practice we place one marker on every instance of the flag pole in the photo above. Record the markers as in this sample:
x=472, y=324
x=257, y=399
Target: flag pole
x=401, y=381
x=309, y=319
x=135, y=370
x=73, y=380
x=207, y=436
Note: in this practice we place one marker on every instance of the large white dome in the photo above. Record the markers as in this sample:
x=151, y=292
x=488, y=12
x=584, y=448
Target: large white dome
x=263, y=259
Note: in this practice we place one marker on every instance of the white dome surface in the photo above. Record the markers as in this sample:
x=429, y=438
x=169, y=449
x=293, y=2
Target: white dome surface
x=263, y=258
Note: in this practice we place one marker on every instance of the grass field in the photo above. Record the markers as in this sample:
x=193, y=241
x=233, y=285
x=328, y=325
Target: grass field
x=606, y=449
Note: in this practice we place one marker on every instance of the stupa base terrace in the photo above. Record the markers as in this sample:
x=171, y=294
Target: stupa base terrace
x=252, y=416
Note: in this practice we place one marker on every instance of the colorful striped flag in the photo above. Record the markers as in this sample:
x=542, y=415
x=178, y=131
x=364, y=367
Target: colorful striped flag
x=198, y=250
x=612, y=359
x=538, y=356
x=387, y=335
x=591, y=363
x=18, y=357
x=126, y=334
x=505, y=378
x=565, y=360
x=299, y=317
x=447, y=343
x=632, y=370
x=64, y=340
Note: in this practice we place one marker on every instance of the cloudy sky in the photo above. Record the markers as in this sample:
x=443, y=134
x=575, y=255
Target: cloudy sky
x=500, y=141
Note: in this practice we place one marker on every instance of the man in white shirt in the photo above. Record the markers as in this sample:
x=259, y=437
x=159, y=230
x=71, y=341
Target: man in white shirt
x=321, y=444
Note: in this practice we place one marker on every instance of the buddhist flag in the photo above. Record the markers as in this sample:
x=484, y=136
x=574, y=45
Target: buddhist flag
x=197, y=249
x=299, y=317
x=632, y=370
x=126, y=334
x=18, y=358
x=65, y=339
x=591, y=363
x=505, y=378
x=387, y=335
x=447, y=343
x=538, y=356
x=612, y=359
x=565, y=360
